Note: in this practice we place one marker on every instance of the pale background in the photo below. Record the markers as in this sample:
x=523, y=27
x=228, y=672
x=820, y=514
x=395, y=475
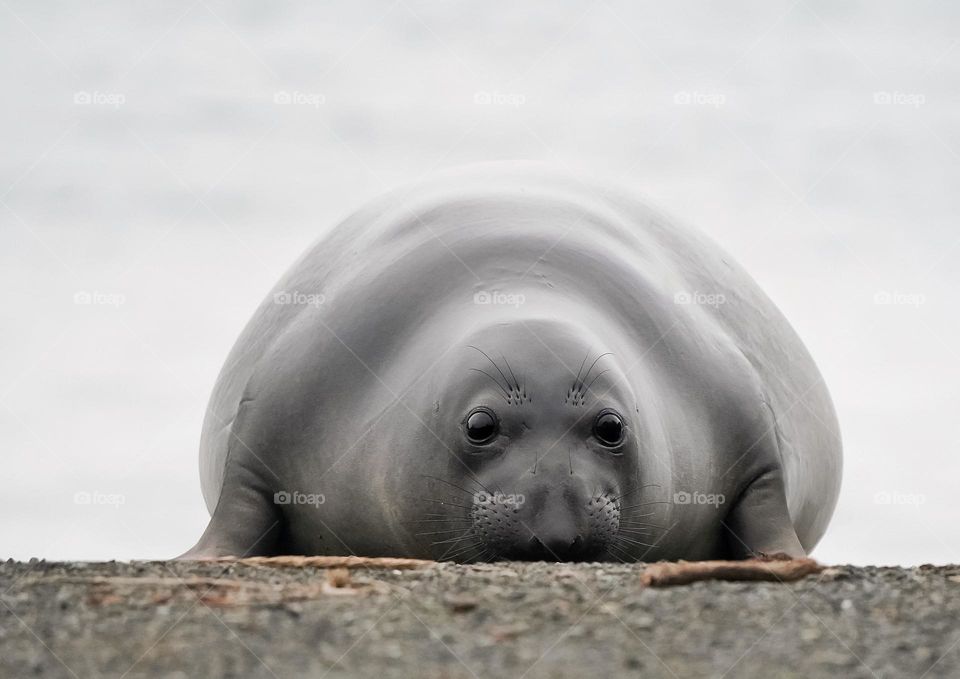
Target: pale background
x=819, y=143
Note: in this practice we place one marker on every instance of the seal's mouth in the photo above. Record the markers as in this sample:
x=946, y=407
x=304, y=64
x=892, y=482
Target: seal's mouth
x=560, y=549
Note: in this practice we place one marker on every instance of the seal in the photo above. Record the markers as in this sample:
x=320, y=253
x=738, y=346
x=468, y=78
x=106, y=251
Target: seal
x=508, y=362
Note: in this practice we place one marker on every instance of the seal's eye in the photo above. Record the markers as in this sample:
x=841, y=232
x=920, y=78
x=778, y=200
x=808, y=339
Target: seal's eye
x=481, y=426
x=608, y=428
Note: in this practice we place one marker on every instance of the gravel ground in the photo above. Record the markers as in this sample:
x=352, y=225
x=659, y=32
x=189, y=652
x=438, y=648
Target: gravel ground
x=187, y=619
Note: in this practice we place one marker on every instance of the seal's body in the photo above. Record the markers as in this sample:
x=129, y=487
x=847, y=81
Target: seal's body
x=504, y=362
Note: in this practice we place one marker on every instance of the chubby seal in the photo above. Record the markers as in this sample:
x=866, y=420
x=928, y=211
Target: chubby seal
x=507, y=362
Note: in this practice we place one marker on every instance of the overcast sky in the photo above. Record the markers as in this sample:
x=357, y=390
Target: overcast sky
x=167, y=161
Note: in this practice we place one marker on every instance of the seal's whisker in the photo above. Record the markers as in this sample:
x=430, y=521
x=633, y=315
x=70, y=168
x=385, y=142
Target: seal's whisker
x=464, y=534
x=641, y=534
x=460, y=551
x=486, y=490
x=452, y=485
x=576, y=380
x=516, y=382
x=454, y=540
x=635, y=489
x=634, y=542
x=643, y=526
x=644, y=504
x=444, y=532
x=614, y=555
x=450, y=520
x=610, y=552
x=455, y=548
x=587, y=374
x=473, y=477
x=598, y=376
x=467, y=557
x=637, y=531
x=631, y=516
x=476, y=545
x=474, y=558
x=504, y=392
x=626, y=553
x=494, y=364
x=435, y=516
x=439, y=502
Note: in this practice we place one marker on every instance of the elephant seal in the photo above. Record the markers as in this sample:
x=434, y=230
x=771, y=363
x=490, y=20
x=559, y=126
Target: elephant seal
x=507, y=362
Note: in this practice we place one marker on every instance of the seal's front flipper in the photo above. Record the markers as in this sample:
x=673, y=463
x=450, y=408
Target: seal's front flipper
x=246, y=521
x=759, y=522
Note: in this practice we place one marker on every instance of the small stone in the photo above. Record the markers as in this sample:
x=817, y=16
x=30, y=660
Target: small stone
x=338, y=577
x=508, y=632
x=641, y=622
x=461, y=603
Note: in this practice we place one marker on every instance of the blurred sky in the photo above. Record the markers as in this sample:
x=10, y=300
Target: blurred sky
x=172, y=159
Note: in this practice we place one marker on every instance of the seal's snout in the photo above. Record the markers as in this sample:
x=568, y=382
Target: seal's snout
x=545, y=524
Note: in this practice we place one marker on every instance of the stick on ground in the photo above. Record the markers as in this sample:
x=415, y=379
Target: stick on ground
x=684, y=572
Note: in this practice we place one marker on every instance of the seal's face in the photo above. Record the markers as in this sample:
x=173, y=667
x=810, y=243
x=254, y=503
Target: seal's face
x=548, y=454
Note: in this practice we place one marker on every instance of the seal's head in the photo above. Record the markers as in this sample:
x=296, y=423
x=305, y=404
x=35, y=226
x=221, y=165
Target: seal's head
x=544, y=443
